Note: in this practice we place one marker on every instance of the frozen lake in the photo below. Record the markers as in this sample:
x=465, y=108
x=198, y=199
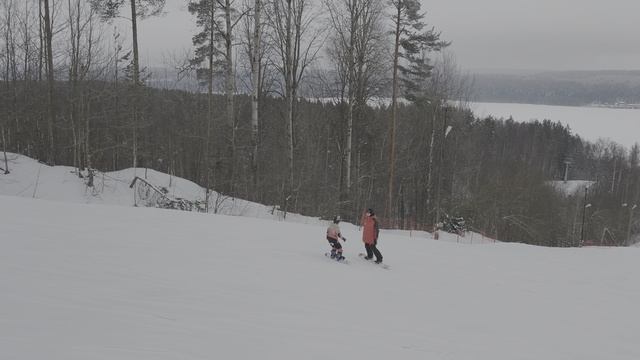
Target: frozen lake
x=590, y=123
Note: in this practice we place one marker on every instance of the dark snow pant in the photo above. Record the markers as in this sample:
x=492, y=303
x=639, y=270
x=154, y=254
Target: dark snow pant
x=335, y=244
x=373, y=250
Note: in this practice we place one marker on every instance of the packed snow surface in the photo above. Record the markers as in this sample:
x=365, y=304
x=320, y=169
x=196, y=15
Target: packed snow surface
x=81, y=280
x=86, y=281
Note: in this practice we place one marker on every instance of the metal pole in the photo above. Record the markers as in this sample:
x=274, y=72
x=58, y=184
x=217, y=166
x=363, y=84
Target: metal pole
x=584, y=212
x=445, y=131
x=629, y=226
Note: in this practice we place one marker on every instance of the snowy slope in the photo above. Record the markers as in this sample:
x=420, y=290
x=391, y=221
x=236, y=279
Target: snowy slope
x=29, y=178
x=103, y=282
x=571, y=187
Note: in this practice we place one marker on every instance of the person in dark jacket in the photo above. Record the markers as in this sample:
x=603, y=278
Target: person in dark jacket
x=370, y=232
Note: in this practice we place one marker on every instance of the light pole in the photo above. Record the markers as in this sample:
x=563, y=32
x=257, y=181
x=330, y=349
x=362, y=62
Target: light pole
x=584, y=212
x=567, y=162
x=446, y=129
x=630, y=220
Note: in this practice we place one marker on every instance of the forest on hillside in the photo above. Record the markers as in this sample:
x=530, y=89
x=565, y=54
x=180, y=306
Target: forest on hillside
x=567, y=88
x=71, y=95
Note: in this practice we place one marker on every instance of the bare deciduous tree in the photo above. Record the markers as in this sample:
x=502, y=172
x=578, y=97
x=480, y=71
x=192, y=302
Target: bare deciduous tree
x=48, y=35
x=206, y=52
x=140, y=9
x=255, y=50
x=297, y=46
x=356, y=38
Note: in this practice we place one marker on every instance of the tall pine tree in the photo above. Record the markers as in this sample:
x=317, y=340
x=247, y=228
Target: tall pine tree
x=140, y=9
x=412, y=44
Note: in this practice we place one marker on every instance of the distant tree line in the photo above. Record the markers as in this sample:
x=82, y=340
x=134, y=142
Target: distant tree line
x=69, y=96
x=561, y=88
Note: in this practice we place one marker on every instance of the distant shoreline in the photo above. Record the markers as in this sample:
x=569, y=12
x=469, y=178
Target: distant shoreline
x=591, y=123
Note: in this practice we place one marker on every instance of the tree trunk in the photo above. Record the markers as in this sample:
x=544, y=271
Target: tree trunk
x=613, y=176
x=207, y=155
x=50, y=81
x=74, y=36
x=86, y=104
x=289, y=99
x=352, y=89
x=4, y=150
x=136, y=82
x=41, y=38
x=87, y=138
x=7, y=63
x=116, y=152
x=230, y=93
x=394, y=113
x=26, y=44
x=255, y=79
x=430, y=166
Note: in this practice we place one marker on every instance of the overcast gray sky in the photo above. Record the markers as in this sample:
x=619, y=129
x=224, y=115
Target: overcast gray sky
x=487, y=34
x=541, y=34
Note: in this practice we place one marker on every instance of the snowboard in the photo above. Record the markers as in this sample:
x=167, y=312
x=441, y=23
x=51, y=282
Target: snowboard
x=343, y=260
x=382, y=265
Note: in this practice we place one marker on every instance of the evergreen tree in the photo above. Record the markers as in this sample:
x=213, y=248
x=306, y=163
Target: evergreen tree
x=110, y=9
x=412, y=43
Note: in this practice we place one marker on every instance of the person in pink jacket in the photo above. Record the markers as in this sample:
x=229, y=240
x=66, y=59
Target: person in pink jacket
x=333, y=234
x=370, y=232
